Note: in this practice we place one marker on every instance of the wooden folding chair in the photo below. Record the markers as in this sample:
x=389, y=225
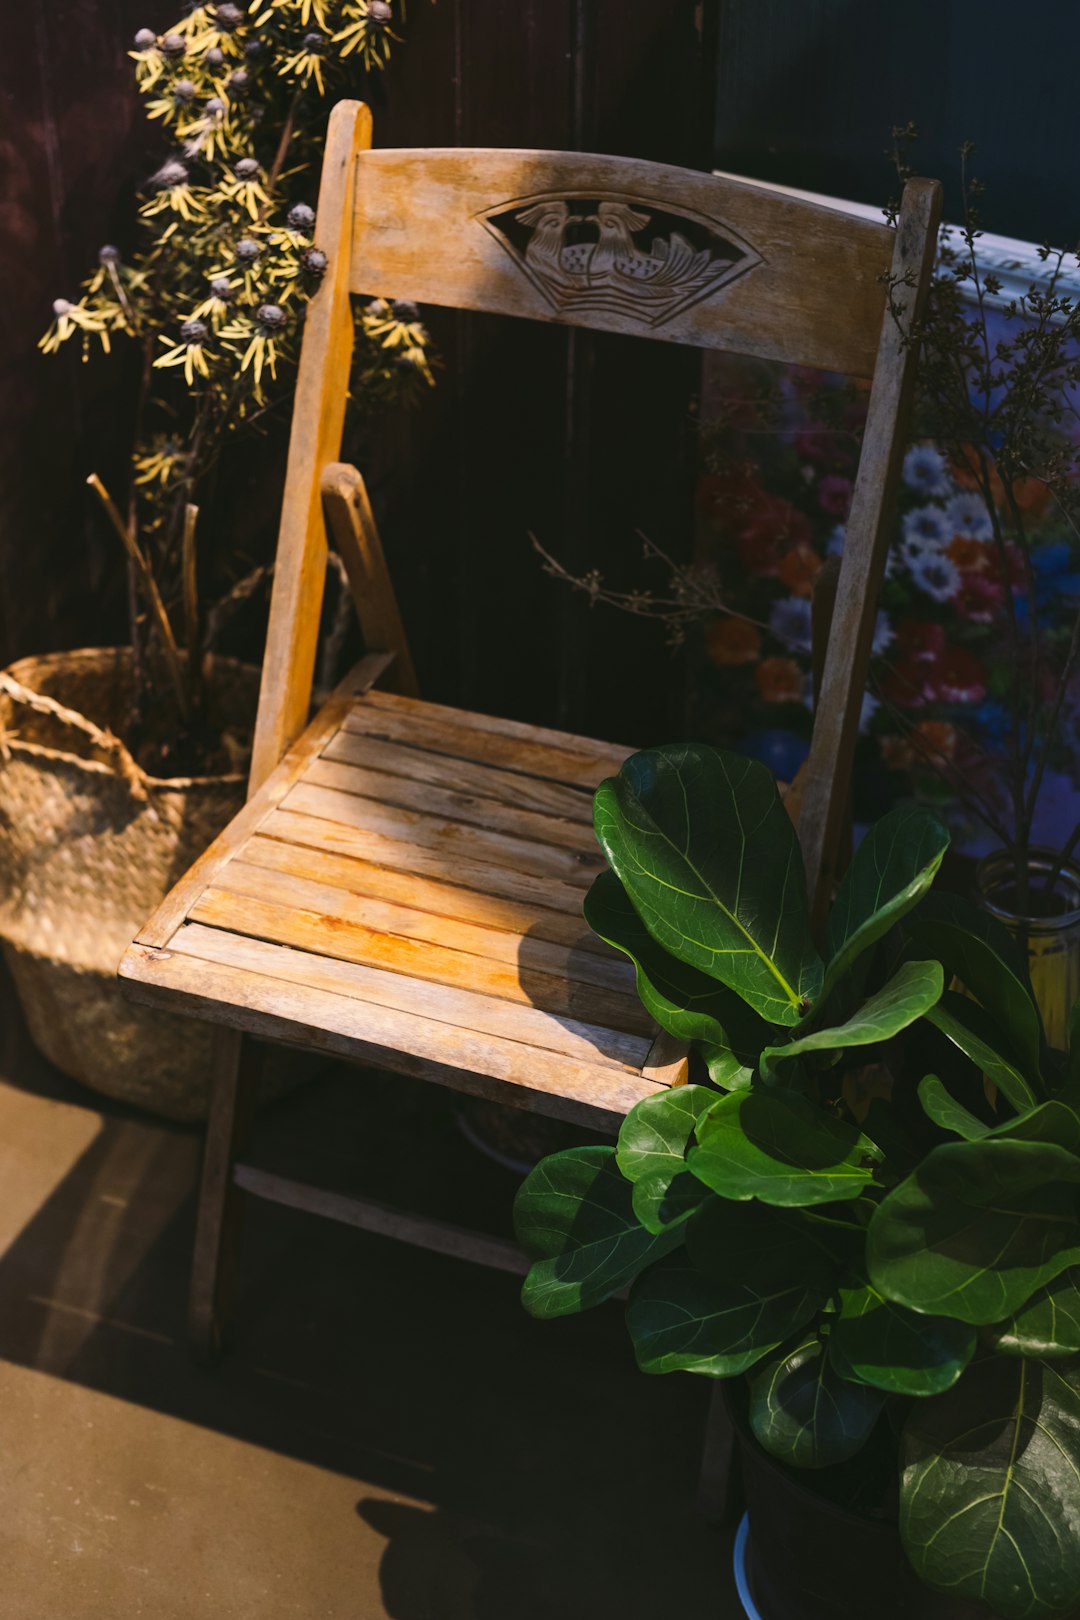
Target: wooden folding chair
x=404, y=885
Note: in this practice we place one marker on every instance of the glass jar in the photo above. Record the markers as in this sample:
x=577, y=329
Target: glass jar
x=1050, y=933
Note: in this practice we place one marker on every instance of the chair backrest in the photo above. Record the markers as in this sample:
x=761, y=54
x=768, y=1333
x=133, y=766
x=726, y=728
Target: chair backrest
x=619, y=245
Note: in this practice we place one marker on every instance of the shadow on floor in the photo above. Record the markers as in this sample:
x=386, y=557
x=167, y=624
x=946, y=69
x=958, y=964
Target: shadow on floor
x=543, y=1474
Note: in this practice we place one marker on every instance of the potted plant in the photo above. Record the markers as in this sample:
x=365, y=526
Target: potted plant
x=863, y=1212
x=118, y=765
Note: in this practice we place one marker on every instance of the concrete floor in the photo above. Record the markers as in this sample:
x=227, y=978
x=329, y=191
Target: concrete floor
x=390, y=1437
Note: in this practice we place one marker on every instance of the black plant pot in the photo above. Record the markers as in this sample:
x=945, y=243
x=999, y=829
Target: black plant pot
x=810, y=1558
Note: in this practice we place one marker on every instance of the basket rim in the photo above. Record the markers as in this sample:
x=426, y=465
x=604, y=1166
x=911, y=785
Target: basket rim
x=22, y=667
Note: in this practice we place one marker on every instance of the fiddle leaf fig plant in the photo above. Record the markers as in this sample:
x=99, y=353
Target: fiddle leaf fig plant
x=866, y=1203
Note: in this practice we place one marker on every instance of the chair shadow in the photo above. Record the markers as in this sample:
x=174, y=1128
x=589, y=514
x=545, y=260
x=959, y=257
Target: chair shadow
x=502, y=1460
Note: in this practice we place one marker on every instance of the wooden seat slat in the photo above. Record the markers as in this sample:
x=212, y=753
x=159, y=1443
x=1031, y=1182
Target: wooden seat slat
x=420, y=708
x=589, y=1094
x=539, y=986
x=443, y=899
x=452, y=838
x=405, y=921
x=587, y=1043
x=394, y=854
x=552, y=764
x=462, y=776
x=440, y=801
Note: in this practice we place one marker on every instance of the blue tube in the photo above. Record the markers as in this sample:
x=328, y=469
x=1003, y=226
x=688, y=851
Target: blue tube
x=739, y=1561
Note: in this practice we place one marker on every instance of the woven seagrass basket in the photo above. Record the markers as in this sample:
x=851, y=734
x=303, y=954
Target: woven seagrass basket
x=89, y=844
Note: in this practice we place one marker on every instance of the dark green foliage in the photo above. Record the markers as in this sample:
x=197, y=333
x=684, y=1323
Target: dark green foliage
x=863, y=1238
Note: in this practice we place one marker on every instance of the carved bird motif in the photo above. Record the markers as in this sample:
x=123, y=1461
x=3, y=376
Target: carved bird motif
x=616, y=223
x=551, y=221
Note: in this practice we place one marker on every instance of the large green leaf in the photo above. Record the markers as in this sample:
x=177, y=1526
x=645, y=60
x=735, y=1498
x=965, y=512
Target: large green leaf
x=978, y=950
x=705, y=850
x=652, y=1154
x=971, y=1028
x=890, y=872
x=682, y=1321
x=912, y=991
x=750, y=1277
x=574, y=1218
x=683, y=1000
x=1054, y=1121
x=776, y=1146
x=1072, y=1071
x=805, y=1413
x=1048, y=1325
x=656, y=1131
x=990, y=1489
x=976, y=1228
x=895, y=1349
x=941, y=1106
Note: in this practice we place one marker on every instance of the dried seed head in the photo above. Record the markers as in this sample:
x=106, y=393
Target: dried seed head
x=247, y=251
x=380, y=13
x=314, y=43
x=215, y=57
x=174, y=45
x=194, y=331
x=228, y=17
x=108, y=254
x=377, y=308
x=301, y=217
x=145, y=39
x=214, y=107
x=270, y=316
x=184, y=90
x=248, y=168
x=405, y=311
x=221, y=288
x=315, y=261
x=239, y=80
x=255, y=49
x=172, y=173
x=62, y=306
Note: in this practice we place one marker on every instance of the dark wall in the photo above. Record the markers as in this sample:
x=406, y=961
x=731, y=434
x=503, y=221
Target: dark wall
x=72, y=145
x=583, y=442
x=808, y=90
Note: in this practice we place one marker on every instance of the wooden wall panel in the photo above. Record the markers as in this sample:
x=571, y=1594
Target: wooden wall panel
x=72, y=144
x=583, y=441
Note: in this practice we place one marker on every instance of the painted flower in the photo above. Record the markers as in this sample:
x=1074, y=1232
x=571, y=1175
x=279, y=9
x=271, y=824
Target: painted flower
x=773, y=528
x=968, y=516
x=884, y=634
x=926, y=469
x=823, y=445
x=790, y=621
x=959, y=677
x=970, y=556
x=926, y=529
x=870, y=707
x=968, y=472
x=834, y=495
x=938, y=576
x=1031, y=495
x=979, y=599
x=799, y=568
x=780, y=680
x=732, y=641
x=921, y=640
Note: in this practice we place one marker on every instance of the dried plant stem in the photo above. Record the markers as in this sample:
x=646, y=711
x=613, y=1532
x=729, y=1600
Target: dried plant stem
x=191, y=592
x=150, y=590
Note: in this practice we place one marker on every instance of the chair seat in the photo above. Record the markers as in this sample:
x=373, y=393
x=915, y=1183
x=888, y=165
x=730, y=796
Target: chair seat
x=406, y=889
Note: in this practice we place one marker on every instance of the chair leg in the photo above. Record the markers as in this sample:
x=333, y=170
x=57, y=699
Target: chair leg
x=234, y=1095
x=718, y=1482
